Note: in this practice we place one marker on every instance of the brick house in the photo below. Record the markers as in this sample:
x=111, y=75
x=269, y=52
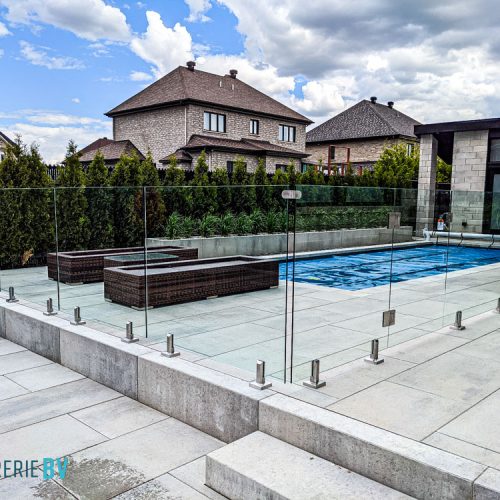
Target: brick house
x=359, y=135
x=188, y=111
x=111, y=150
x=4, y=142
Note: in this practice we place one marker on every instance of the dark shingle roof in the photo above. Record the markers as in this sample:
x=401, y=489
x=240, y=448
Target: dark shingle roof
x=250, y=146
x=180, y=155
x=111, y=150
x=5, y=138
x=364, y=120
x=182, y=84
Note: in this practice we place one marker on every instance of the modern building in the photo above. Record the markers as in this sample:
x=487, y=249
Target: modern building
x=359, y=135
x=4, y=142
x=473, y=149
x=188, y=111
x=111, y=150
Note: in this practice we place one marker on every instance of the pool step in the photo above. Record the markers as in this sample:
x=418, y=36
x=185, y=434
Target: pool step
x=260, y=466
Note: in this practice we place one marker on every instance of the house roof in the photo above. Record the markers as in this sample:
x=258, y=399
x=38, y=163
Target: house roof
x=180, y=155
x=183, y=85
x=111, y=150
x=364, y=120
x=5, y=139
x=248, y=146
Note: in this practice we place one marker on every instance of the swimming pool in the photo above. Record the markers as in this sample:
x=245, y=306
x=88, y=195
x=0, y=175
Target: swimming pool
x=368, y=269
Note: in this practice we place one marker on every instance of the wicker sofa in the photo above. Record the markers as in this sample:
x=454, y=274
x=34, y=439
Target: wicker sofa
x=188, y=280
x=86, y=266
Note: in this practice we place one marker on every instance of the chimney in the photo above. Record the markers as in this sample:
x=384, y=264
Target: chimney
x=233, y=73
x=390, y=104
x=190, y=65
x=373, y=99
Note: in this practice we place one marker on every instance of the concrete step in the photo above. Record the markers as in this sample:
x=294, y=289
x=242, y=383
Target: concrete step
x=260, y=466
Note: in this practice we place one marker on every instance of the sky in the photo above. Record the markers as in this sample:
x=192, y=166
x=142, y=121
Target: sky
x=64, y=63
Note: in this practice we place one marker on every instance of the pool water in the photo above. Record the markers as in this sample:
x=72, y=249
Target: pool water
x=368, y=269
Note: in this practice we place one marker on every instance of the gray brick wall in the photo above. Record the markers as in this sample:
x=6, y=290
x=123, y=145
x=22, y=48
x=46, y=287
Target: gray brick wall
x=470, y=153
x=160, y=131
x=426, y=183
x=368, y=150
x=238, y=127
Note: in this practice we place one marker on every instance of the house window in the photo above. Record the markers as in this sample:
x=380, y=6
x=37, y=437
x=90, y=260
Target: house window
x=254, y=127
x=230, y=167
x=332, y=152
x=214, y=122
x=410, y=147
x=495, y=150
x=287, y=133
x=281, y=166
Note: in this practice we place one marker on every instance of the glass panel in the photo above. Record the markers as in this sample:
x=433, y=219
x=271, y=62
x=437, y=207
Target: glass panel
x=224, y=304
x=342, y=275
x=495, y=150
x=213, y=121
x=281, y=133
x=206, y=120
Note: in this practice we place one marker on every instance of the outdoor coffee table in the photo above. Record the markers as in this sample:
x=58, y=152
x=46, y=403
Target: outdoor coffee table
x=184, y=281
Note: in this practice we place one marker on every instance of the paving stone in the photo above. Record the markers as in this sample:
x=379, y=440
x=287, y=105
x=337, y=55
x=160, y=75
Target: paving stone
x=32, y=488
x=22, y=360
x=130, y=460
x=118, y=416
x=8, y=347
x=44, y=377
x=9, y=389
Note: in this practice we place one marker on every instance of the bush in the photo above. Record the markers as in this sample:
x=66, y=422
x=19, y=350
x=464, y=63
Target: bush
x=226, y=224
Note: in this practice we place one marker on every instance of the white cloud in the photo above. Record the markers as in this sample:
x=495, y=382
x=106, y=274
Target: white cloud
x=197, y=9
x=76, y=100
x=140, y=76
x=40, y=57
x=162, y=46
x=3, y=30
x=52, y=131
x=1, y=52
x=89, y=19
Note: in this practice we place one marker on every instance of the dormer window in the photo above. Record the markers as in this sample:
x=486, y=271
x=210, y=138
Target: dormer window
x=214, y=122
x=254, y=127
x=287, y=133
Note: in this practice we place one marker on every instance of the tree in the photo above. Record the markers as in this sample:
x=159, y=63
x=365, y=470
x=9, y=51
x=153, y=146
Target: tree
x=221, y=183
x=177, y=197
x=100, y=204
x=127, y=203
x=71, y=203
x=204, y=194
x=396, y=168
x=263, y=192
x=443, y=171
x=279, y=182
x=155, y=207
x=243, y=192
x=292, y=174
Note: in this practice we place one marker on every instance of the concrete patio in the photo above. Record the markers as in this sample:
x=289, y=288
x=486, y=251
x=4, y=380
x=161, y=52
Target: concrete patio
x=47, y=410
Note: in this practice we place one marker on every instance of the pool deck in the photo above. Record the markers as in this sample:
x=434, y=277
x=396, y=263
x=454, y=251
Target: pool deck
x=437, y=385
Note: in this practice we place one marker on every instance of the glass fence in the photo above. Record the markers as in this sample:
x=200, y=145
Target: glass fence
x=243, y=273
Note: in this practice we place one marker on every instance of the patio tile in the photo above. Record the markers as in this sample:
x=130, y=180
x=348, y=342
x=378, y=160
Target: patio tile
x=464, y=449
x=7, y=347
x=485, y=347
x=49, y=403
x=21, y=360
x=163, y=487
x=193, y=474
x=353, y=308
x=9, y=389
x=431, y=309
x=454, y=376
x=130, y=460
x=402, y=410
x=424, y=348
x=479, y=425
x=14, y=488
x=56, y=437
x=45, y=376
x=118, y=416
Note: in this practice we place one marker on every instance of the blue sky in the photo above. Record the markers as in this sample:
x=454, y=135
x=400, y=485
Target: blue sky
x=64, y=63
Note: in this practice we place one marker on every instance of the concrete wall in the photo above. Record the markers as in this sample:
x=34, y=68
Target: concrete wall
x=468, y=178
x=426, y=182
x=268, y=244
